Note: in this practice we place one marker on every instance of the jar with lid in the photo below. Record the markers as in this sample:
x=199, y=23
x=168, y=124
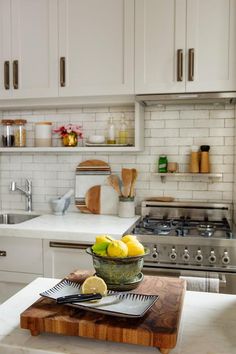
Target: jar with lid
x=8, y=133
x=43, y=134
x=194, y=160
x=20, y=132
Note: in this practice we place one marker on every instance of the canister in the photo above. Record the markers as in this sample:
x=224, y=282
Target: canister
x=205, y=163
x=126, y=207
x=8, y=138
x=194, y=160
x=20, y=132
x=43, y=134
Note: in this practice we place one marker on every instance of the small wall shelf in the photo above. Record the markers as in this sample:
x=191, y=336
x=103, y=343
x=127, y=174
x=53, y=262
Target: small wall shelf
x=212, y=177
x=71, y=149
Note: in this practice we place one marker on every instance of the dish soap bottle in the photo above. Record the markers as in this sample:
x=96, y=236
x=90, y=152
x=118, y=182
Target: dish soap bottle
x=111, y=135
x=123, y=131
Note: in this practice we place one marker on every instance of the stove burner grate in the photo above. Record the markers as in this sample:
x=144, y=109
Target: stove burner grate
x=184, y=227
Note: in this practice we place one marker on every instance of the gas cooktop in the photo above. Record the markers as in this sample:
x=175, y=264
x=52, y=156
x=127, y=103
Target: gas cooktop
x=189, y=235
x=184, y=226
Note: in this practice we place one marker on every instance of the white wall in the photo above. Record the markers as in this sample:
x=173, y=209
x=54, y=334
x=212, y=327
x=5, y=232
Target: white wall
x=170, y=130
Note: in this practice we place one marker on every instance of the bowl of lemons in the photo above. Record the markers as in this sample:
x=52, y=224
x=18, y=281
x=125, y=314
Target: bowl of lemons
x=118, y=262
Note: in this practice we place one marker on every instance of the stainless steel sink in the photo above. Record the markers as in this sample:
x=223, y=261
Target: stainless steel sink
x=11, y=219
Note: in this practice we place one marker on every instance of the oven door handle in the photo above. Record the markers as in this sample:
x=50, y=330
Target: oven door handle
x=222, y=280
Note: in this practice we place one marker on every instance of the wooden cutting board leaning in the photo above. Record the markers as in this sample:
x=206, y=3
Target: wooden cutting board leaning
x=89, y=173
x=102, y=199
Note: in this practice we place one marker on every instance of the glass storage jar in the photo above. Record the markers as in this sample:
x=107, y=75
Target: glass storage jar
x=8, y=133
x=20, y=132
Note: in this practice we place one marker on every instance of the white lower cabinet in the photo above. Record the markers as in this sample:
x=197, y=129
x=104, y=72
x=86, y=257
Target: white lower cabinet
x=21, y=261
x=62, y=258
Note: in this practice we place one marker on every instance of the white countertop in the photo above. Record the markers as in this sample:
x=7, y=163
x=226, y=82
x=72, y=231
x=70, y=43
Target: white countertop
x=72, y=226
x=208, y=326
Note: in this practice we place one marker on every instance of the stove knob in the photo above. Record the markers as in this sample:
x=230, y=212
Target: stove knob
x=199, y=256
x=225, y=258
x=212, y=257
x=186, y=255
x=155, y=254
x=173, y=255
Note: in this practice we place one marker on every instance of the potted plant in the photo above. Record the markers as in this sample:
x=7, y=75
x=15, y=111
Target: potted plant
x=70, y=133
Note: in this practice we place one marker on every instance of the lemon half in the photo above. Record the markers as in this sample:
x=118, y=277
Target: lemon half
x=94, y=284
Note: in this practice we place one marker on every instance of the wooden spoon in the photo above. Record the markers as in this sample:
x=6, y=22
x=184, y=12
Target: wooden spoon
x=134, y=178
x=114, y=181
x=126, y=175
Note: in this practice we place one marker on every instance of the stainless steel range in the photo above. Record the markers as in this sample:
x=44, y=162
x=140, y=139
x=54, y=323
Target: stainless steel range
x=189, y=239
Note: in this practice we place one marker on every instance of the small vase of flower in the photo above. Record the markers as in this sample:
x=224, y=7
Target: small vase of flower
x=70, y=134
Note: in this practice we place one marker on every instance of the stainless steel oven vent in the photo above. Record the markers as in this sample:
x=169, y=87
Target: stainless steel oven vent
x=197, y=98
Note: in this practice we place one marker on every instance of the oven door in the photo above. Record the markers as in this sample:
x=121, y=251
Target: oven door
x=226, y=282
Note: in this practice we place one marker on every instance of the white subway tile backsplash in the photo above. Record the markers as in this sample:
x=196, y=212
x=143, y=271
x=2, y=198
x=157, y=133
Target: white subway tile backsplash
x=169, y=129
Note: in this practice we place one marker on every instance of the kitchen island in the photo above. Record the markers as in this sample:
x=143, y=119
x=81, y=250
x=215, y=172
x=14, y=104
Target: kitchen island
x=208, y=325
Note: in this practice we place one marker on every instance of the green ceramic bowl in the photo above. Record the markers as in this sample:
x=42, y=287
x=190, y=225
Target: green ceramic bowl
x=116, y=270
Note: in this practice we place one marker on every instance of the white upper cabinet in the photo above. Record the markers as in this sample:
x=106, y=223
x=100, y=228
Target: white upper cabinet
x=211, y=34
x=96, y=47
x=159, y=45
x=185, y=46
x=33, y=58
x=5, y=48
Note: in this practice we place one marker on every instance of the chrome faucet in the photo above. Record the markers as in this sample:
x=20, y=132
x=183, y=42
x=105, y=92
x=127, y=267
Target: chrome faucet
x=27, y=192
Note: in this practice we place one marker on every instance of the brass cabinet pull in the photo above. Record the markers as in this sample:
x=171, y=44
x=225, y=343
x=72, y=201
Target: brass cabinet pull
x=63, y=71
x=3, y=253
x=15, y=75
x=180, y=65
x=67, y=245
x=7, y=75
x=191, y=64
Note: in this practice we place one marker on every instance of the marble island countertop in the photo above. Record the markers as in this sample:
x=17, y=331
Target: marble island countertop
x=71, y=226
x=208, y=326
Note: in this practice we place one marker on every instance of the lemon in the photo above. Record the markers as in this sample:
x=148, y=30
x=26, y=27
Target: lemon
x=135, y=248
x=128, y=238
x=103, y=238
x=117, y=248
x=94, y=284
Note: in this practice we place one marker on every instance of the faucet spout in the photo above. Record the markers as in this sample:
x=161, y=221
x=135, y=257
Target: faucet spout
x=27, y=192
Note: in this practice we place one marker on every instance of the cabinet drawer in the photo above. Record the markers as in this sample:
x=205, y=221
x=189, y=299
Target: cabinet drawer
x=21, y=255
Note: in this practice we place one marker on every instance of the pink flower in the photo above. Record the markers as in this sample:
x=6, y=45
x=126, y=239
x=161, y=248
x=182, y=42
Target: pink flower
x=69, y=129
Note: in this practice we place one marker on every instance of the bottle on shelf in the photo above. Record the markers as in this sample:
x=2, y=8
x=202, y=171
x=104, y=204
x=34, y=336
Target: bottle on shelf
x=194, y=160
x=123, y=131
x=111, y=132
x=205, y=164
x=162, y=164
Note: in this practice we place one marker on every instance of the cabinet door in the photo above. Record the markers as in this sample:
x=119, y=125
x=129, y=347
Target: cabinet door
x=12, y=282
x=159, y=40
x=34, y=48
x=211, y=33
x=96, y=46
x=62, y=258
x=5, y=48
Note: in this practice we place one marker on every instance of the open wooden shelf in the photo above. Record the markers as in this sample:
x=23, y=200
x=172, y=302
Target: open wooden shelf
x=210, y=176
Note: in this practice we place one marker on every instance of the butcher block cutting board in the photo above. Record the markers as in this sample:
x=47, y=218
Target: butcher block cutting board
x=157, y=328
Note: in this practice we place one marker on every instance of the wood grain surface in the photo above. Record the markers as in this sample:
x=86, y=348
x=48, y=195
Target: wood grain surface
x=92, y=199
x=157, y=328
